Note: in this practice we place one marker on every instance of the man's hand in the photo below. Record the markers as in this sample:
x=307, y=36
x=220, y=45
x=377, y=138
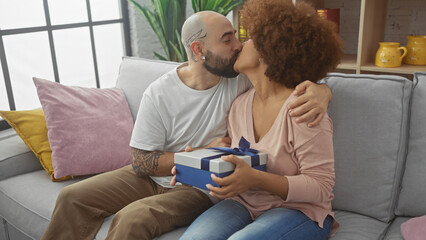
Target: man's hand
x=173, y=181
x=311, y=103
x=238, y=182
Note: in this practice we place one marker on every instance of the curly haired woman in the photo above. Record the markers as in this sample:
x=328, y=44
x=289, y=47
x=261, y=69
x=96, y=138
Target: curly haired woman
x=292, y=199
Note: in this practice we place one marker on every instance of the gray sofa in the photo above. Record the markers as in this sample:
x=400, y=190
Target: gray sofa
x=380, y=155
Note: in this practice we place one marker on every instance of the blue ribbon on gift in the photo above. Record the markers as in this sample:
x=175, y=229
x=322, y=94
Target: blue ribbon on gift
x=243, y=149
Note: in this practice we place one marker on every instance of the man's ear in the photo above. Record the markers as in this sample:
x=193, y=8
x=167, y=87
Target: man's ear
x=197, y=50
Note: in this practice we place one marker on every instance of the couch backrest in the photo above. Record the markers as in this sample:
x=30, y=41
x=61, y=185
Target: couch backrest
x=370, y=117
x=135, y=76
x=413, y=192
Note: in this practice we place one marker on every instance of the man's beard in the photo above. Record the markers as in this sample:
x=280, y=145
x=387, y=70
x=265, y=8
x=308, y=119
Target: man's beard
x=220, y=66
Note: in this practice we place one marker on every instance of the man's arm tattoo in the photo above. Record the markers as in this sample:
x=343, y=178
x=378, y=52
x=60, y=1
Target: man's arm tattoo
x=145, y=163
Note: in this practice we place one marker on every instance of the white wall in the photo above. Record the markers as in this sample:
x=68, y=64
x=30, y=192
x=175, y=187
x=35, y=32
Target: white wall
x=404, y=17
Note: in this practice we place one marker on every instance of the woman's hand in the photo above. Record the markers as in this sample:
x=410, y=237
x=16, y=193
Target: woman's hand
x=311, y=103
x=241, y=180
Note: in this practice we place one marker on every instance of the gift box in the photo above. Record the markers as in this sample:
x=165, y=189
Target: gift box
x=195, y=168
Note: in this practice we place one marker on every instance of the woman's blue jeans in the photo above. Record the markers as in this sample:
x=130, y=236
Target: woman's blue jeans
x=230, y=220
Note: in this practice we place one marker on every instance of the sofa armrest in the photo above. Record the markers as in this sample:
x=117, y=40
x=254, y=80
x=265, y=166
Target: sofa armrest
x=15, y=157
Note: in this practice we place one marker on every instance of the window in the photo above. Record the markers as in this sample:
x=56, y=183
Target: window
x=78, y=42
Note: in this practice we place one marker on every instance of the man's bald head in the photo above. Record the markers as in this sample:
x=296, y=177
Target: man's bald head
x=209, y=39
x=196, y=28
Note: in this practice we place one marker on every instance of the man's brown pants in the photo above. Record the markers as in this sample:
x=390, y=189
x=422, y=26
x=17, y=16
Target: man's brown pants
x=143, y=209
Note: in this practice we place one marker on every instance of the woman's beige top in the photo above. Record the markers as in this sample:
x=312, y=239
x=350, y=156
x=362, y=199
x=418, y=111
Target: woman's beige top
x=304, y=155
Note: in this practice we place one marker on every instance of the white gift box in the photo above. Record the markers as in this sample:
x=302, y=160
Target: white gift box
x=195, y=168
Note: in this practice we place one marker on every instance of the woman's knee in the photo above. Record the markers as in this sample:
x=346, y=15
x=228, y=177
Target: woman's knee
x=210, y=224
x=282, y=223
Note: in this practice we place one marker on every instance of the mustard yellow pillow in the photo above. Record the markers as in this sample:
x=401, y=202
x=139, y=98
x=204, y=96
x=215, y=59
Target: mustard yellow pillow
x=31, y=127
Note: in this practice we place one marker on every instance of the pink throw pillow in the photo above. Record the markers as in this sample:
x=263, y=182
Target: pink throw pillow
x=414, y=229
x=89, y=129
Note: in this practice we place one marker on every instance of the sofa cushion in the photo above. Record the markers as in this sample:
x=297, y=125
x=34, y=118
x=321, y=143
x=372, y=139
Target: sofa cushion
x=394, y=231
x=14, y=233
x=103, y=231
x=135, y=76
x=369, y=114
x=175, y=234
x=89, y=129
x=413, y=191
x=27, y=201
x=3, y=229
x=15, y=157
x=414, y=228
x=359, y=227
x=30, y=125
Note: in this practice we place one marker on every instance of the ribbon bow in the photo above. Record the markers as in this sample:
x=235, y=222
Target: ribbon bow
x=243, y=149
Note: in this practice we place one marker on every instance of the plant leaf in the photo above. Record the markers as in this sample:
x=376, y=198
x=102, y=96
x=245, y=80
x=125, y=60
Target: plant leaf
x=160, y=56
x=208, y=4
x=216, y=3
x=230, y=8
x=151, y=19
x=195, y=6
x=220, y=6
x=180, y=52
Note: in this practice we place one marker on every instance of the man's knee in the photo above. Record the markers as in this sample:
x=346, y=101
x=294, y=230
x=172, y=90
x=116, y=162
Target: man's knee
x=136, y=217
x=70, y=195
x=140, y=223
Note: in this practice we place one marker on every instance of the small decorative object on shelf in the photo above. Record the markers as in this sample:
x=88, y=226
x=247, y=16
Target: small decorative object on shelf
x=242, y=32
x=416, y=47
x=389, y=54
x=331, y=14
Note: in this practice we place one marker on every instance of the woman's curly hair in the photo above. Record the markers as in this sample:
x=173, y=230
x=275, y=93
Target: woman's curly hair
x=293, y=40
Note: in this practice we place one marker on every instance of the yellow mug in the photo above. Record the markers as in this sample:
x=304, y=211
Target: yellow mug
x=389, y=54
x=416, y=50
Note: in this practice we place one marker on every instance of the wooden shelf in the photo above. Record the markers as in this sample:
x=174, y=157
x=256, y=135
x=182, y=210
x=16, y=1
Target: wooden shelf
x=403, y=69
x=371, y=31
x=348, y=62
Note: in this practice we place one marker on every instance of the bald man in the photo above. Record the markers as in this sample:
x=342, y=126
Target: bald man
x=187, y=106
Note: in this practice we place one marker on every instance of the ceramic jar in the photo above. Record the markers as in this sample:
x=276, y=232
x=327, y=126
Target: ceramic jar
x=389, y=54
x=416, y=47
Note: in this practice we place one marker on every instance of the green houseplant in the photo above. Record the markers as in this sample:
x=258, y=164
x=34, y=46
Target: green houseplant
x=167, y=17
x=220, y=6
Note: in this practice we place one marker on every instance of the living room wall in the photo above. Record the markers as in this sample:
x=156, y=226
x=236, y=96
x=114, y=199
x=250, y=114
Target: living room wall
x=404, y=17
